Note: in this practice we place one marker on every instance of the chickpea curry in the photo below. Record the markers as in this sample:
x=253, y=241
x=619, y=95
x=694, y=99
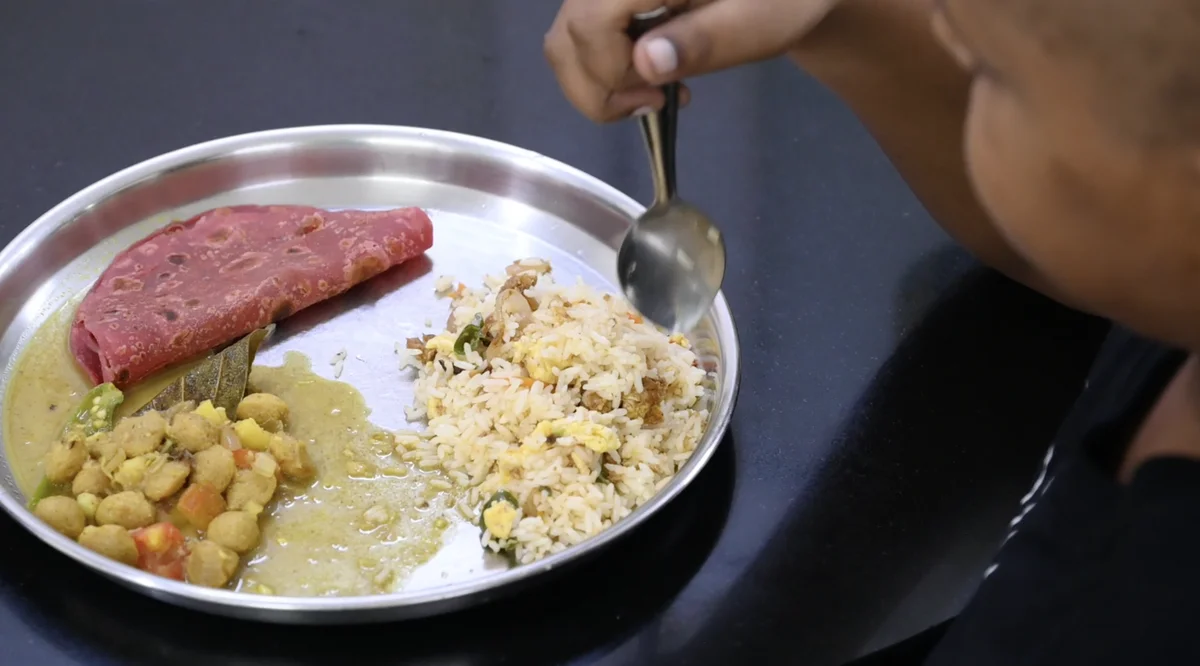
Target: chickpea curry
x=178, y=494
x=287, y=490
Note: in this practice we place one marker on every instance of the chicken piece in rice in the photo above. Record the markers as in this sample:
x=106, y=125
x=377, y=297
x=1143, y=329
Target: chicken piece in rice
x=424, y=354
x=595, y=402
x=575, y=405
x=647, y=403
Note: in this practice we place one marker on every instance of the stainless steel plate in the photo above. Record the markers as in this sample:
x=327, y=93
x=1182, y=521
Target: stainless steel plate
x=491, y=203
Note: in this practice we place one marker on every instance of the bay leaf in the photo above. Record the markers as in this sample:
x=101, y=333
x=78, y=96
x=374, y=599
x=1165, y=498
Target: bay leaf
x=221, y=377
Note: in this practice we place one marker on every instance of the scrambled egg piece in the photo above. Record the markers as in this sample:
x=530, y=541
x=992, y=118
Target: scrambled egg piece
x=532, y=356
x=252, y=435
x=215, y=415
x=511, y=460
x=442, y=343
x=433, y=408
x=596, y=437
x=499, y=519
x=679, y=339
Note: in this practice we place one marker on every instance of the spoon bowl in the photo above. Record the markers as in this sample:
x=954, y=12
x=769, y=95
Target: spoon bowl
x=671, y=265
x=672, y=260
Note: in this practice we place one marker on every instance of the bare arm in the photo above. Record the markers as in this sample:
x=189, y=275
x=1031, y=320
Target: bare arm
x=882, y=59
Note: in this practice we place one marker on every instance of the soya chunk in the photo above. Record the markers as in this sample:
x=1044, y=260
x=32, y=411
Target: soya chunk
x=63, y=514
x=166, y=480
x=236, y=530
x=65, y=458
x=112, y=541
x=140, y=435
x=268, y=410
x=128, y=509
x=192, y=432
x=250, y=487
x=214, y=467
x=101, y=445
x=91, y=479
x=292, y=455
x=211, y=564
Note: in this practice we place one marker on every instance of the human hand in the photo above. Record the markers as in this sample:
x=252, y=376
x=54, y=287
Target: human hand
x=607, y=77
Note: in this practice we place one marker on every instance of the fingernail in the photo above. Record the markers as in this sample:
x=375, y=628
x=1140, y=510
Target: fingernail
x=662, y=55
x=643, y=111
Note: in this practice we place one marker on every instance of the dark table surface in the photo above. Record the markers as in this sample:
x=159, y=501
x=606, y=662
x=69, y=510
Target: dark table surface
x=896, y=399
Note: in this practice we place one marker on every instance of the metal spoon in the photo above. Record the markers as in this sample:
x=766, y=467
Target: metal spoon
x=672, y=260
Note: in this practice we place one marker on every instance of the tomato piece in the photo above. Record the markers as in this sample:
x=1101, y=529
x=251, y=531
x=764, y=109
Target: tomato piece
x=161, y=550
x=199, y=504
x=243, y=458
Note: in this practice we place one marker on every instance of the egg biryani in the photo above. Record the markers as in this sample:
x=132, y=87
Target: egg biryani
x=557, y=407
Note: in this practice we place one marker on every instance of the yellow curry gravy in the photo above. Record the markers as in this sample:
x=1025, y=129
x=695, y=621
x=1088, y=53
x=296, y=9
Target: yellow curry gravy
x=366, y=521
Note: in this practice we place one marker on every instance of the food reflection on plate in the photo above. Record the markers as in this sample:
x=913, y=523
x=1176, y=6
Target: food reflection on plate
x=544, y=413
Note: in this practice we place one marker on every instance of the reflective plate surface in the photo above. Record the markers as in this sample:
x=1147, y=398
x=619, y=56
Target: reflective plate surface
x=491, y=203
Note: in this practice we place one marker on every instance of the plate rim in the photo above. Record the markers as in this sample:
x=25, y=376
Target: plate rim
x=293, y=610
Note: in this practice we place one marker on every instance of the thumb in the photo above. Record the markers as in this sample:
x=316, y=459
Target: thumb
x=724, y=34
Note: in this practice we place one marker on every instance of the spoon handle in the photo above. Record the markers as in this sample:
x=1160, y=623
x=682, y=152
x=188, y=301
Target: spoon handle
x=658, y=127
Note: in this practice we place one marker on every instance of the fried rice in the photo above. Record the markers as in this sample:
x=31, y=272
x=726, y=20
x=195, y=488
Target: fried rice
x=557, y=408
